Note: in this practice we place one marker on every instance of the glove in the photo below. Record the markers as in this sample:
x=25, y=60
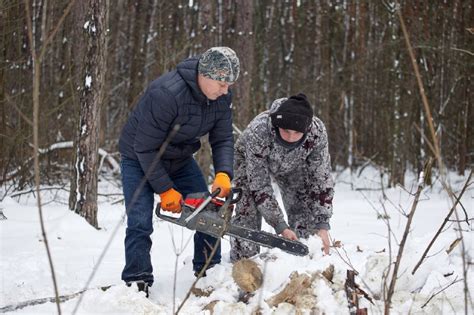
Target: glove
x=171, y=200
x=222, y=181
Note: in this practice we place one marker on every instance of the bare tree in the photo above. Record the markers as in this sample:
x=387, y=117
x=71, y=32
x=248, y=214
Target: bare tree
x=83, y=196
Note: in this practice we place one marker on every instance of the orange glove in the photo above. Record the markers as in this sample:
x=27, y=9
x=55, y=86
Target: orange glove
x=171, y=200
x=222, y=181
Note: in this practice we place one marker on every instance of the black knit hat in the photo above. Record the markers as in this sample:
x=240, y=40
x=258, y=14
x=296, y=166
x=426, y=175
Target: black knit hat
x=294, y=114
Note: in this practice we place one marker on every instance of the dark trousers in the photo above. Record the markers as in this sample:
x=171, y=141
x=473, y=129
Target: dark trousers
x=187, y=179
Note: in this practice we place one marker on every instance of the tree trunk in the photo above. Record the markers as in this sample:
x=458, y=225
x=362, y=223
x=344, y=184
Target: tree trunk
x=83, y=196
x=244, y=47
x=203, y=156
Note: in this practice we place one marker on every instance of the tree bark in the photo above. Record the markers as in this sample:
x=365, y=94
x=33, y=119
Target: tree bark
x=83, y=197
x=244, y=47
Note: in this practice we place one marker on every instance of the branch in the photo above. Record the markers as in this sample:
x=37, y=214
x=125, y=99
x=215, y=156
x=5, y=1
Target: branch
x=56, y=29
x=36, y=105
x=227, y=215
x=32, y=190
x=442, y=225
x=428, y=142
x=203, y=270
x=9, y=100
x=66, y=145
x=426, y=105
x=435, y=294
x=463, y=50
x=401, y=248
x=62, y=298
x=177, y=253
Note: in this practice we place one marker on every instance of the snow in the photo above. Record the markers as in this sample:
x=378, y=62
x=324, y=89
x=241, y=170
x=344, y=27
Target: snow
x=88, y=82
x=357, y=223
x=83, y=129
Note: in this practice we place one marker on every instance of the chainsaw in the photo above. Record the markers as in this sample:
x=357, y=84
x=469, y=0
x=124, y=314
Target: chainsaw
x=205, y=213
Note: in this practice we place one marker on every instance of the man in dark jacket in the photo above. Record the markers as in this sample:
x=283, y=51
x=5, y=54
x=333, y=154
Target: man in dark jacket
x=188, y=103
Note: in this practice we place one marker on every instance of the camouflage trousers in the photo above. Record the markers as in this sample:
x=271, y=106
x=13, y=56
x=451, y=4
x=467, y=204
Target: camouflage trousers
x=301, y=220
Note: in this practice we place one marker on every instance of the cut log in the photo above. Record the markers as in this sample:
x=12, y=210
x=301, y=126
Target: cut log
x=297, y=284
x=247, y=275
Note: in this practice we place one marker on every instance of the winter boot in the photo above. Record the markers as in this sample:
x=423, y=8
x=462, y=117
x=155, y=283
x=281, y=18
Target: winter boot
x=141, y=285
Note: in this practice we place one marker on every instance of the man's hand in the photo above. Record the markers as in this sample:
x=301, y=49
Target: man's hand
x=171, y=200
x=289, y=234
x=222, y=181
x=323, y=234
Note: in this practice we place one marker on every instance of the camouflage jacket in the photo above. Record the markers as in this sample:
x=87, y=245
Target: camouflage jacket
x=302, y=173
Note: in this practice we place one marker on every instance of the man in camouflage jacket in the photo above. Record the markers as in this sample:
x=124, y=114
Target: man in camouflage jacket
x=288, y=145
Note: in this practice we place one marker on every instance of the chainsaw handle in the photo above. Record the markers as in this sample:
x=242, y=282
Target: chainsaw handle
x=235, y=191
x=215, y=193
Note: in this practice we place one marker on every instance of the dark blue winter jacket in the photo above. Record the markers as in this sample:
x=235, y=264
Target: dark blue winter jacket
x=172, y=99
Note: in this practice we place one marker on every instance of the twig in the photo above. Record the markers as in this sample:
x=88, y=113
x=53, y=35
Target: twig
x=401, y=248
x=2, y=216
x=28, y=121
x=435, y=294
x=32, y=190
x=348, y=261
x=367, y=163
x=118, y=201
x=428, y=142
x=36, y=105
x=177, y=253
x=464, y=220
x=463, y=50
x=467, y=296
x=227, y=215
x=201, y=273
x=442, y=226
x=56, y=29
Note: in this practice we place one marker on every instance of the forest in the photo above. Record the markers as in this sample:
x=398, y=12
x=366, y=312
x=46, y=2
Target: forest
x=390, y=79
x=349, y=57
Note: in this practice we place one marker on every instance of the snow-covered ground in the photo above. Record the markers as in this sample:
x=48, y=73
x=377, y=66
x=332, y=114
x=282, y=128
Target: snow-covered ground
x=357, y=223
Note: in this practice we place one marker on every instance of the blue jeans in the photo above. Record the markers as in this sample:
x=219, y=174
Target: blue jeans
x=187, y=179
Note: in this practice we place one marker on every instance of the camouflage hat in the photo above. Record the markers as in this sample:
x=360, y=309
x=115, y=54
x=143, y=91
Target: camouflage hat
x=220, y=64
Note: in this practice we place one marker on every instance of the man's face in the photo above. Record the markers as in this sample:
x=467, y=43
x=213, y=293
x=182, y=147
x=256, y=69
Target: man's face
x=212, y=88
x=290, y=135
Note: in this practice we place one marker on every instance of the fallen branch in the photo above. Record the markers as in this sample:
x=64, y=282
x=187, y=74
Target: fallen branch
x=67, y=145
x=62, y=298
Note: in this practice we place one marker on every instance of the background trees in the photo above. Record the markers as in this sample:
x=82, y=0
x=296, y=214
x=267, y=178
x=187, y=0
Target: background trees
x=347, y=56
